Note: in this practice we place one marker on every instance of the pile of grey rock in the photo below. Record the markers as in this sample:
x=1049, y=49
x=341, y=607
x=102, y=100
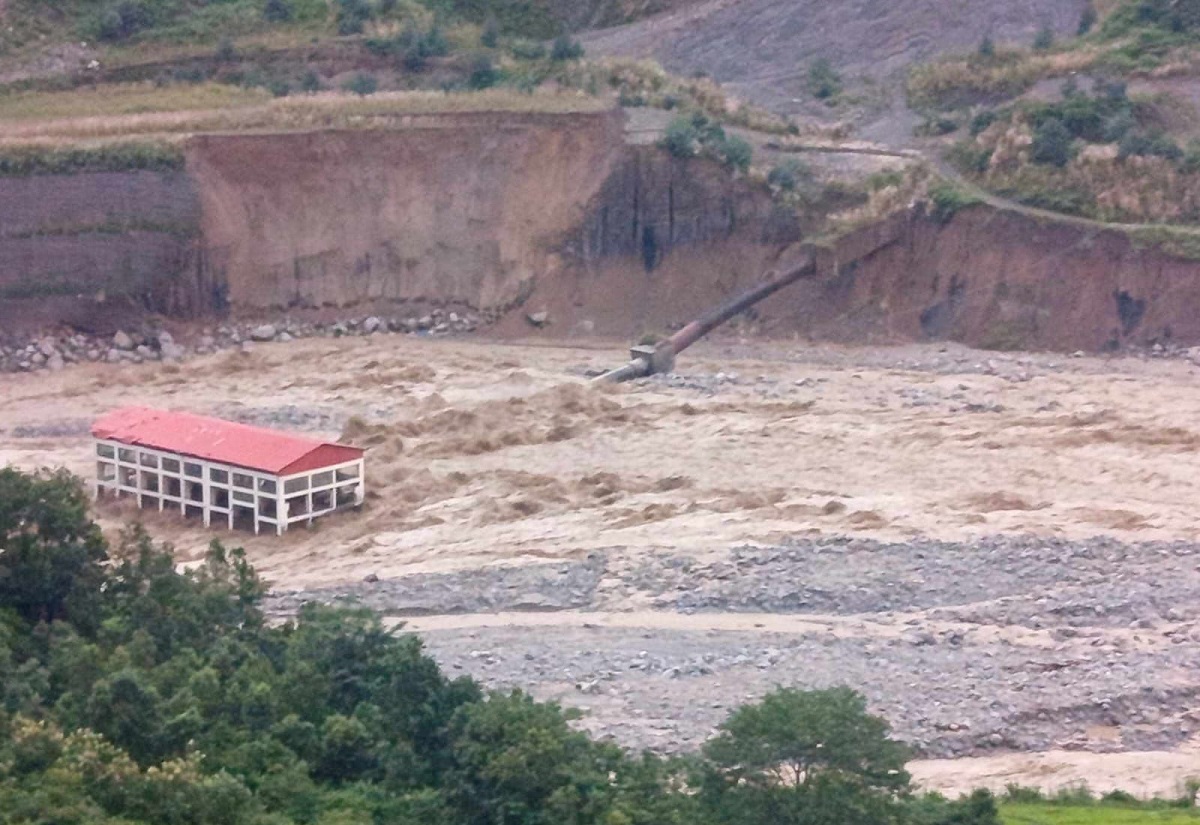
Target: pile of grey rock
x=54, y=351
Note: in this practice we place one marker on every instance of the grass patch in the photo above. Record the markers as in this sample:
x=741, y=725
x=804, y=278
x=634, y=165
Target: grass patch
x=40, y=159
x=645, y=83
x=947, y=199
x=1043, y=813
x=126, y=99
x=1172, y=240
x=321, y=111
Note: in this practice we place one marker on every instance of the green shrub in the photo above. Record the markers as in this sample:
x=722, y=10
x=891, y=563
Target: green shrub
x=681, y=137
x=1022, y=794
x=361, y=83
x=1117, y=125
x=970, y=157
x=883, y=180
x=1044, y=39
x=527, y=49
x=120, y=157
x=981, y=120
x=565, y=48
x=278, y=11
x=412, y=46
x=735, y=153
x=123, y=19
x=352, y=16
x=787, y=175
x=947, y=199
x=310, y=82
x=226, y=52
x=483, y=73
x=823, y=81
x=987, y=47
x=1051, y=143
x=489, y=38
x=1056, y=198
x=434, y=42
x=1087, y=20
x=1144, y=144
x=937, y=125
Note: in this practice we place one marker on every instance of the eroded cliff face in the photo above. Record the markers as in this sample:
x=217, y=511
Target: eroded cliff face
x=1003, y=280
x=455, y=208
x=550, y=213
x=663, y=240
x=88, y=249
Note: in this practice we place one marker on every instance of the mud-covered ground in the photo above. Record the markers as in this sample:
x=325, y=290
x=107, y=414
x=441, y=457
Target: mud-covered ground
x=998, y=550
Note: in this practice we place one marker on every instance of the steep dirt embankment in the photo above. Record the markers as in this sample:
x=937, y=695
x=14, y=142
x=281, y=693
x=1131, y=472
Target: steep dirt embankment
x=87, y=248
x=999, y=279
x=459, y=208
x=554, y=213
x=663, y=240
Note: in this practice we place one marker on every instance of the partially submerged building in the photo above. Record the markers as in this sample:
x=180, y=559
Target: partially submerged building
x=213, y=469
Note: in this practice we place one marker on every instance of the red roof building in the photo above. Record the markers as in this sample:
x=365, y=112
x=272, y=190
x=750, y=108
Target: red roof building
x=210, y=467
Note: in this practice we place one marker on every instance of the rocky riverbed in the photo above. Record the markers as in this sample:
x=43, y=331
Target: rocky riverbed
x=1007, y=642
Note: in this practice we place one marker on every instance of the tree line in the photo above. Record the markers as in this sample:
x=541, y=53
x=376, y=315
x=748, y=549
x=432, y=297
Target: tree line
x=133, y=692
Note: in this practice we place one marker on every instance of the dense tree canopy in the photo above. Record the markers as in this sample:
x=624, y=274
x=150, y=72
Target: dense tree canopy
x=133, y=693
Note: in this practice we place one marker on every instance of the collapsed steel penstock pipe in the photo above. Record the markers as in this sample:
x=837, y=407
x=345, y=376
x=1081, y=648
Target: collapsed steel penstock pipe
x=648, y=360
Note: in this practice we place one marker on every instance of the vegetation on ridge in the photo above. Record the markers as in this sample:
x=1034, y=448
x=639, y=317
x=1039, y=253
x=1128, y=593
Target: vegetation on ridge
x=131, y=692
x=1111, y=143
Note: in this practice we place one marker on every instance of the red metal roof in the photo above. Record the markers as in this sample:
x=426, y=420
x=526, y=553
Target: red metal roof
x=212, y=439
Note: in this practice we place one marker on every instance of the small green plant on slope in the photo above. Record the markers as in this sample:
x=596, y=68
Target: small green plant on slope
x=689, y=135
x=787, y=175
x=1044, y=39
x=1051, y=143
x=565, y=48
x=361, y=84
x=947, y=199
x=823, y=81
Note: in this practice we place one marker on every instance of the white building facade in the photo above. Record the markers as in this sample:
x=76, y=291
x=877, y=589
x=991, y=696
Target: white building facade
x=220, y=471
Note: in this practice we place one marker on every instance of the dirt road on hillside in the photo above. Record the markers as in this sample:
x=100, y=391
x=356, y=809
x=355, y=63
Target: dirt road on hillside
x=999, y=550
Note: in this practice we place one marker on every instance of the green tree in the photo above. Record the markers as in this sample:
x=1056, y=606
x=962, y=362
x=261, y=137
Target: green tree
x=681, y=137
x=735, y=153
x=987, y=47
x=1044, y=39
x=278, y=11
x=1087, y=20
x=565, y=48
x=362, y=84
x=483, y=73
x=1051, y=143
x=352, y=16
x=788, y=175
x=490, y=37
x=51, y=554
x=824, y=83
x=805, y=757
x=517, y=762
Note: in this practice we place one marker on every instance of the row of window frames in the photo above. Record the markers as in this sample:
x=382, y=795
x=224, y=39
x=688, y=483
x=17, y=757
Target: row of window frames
x=219, y=476
x=178, y=495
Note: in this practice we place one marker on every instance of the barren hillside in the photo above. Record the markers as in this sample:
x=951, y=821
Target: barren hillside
x=763, y=48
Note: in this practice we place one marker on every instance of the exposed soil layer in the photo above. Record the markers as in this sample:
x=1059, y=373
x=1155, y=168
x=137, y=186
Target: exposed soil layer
x=1002, y=280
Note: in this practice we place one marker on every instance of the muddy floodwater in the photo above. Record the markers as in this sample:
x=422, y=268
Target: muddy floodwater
x=999, y=550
